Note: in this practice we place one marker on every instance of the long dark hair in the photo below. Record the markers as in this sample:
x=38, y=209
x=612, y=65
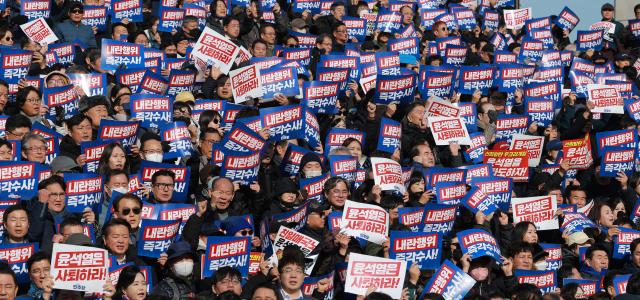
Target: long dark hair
x=519, y=230
x=126, y=278
x=103, y=165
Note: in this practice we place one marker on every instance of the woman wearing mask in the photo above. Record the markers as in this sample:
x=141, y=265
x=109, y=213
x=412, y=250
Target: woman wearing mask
x=132, y=284
x=310, y=166
x=120, y=98
x=177, y=285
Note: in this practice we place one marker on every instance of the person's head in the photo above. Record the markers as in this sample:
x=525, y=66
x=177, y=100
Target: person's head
x=56, y=79
x=117, y=30
x=115, y=235
x=6, y=150
x=354, y=146
x=407, y=15
x=607, y=11
x=340, y=33
x=415, y=114
x=132, y=283
x=224, y=90
x=39, y=267
x=76, y=12
x=162, y=185
x=635, y=251
x=310, y=165
x=265, y=291
x=636, y=11
x=16, y=127
x=96, y=108
x=128, y=207
x=291, y=270
x=151, y=147
x=576, y=196
x=218, y=8
x=69, y=226
x=180, y=259
x=221, y=193
x=324, y=43
x=525, y=232
x=93, y=59
x=4, y=94
x=54, y=187
x=336, y=190
x=114, y=157
x=602, y=214
x=633, y=285
x=227, y=279
x=416, y=183
x=338, y=10
x=268, y=34
x=258, y=48
x=316, y=218
x=190, y=27
x=292, y=41
x=29, y=100
x=209, y=137
x=8, y=283
x=423, y=155
x=231, y=25
x=16, y=223
x=487, y=113
x=210, y=118
x=120, y=97
x=116, y=180
x=6, y=36
x=522, y=256
x=34, y=148
x=597, y=257
x=440, y=29
x=79, y=127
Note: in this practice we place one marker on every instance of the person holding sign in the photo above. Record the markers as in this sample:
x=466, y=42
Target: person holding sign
x=177, y=284
x=115, y=236
x=72, y=29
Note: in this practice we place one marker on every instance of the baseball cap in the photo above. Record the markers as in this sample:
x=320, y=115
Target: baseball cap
x=578, y=238
x=607, y=6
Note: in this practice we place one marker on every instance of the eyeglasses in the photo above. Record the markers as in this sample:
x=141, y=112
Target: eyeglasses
x=39, y=271
x=56, y=195
x=127, y=211
x=216, y=121
x=37, y=149
x=147, y=152
x=227, y=281
x=18, y=134
x=164, y=186
x=77, y=11
x=34, y=101
x=246, y=232
x=340, y=192
x=341, y=31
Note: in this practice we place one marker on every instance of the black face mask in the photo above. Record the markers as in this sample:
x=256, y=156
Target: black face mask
x=175, y=55
x=195, y=32
x=493, y=116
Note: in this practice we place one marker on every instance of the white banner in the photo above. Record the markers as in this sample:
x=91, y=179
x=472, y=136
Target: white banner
x=539, y=210
x=533, y=145
x=606, y=99
x=387, y=174
x=515, y=18
x=245, y=83
x=364, y=271
x=79, y=268
x=39, y=31
x=215, y=50
x=448, y=130
x=370, y=222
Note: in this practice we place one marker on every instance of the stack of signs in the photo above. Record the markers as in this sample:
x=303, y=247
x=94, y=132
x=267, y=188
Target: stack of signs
x=422, y=248
x=156, y=237
x=387, y=174
x=289, y=237
x=225, y=251
x=79, y=268
x=478, y=243
x=365, y=271
x=447, y=130
x=450, y=282
x=538, y=210
x=508, y=163
x=606, y=99
x=544, y=280
x=366, y=221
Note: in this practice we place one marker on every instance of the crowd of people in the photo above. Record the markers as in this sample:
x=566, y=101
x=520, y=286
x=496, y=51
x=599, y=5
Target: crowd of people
x=294, y=184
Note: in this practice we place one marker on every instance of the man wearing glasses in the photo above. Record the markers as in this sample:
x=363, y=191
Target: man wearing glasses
x=72, y=29
x=16, y=127
x=162, y=184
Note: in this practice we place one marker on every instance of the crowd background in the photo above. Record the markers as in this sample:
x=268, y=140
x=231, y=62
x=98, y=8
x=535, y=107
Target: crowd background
x=220, y=203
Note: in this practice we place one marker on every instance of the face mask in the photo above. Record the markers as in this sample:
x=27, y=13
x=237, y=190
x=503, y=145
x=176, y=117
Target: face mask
x=121, y=117
x=121, y=190
x=174, y=55
x=195, y=32
x=183, y=268
x=311, y=174
x=541, y=265
x=154, y=157
x=493, y=116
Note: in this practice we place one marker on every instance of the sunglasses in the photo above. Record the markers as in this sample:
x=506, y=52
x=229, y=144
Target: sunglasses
x=246, y=232
x=77, y=11
x=127, y=211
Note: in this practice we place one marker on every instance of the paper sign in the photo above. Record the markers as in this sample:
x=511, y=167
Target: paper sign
x=82, y=191
x=389, y=136
x=575, y=222
x=79, y=268
x=450, y=282
x=364, y=271
x=119, y=131
x=605, y=98
x=567, y=19
x=387, y=174
x=245, y=83
x=508, y=163
x=216, y=50
x=439, y=218
x=178, y=137
x=16, y=255
x=546, y=281
x=578, y=152
x=286, y=237
x=420, y=247
x=156, y=236
x=370, y=222
x=115, y=54
x=515, y=18
x=39, y=31
x=497, y=189
x=532, y=144
x=617, y=159
x=589, y=40
x=622, y=242
x=538, y=210
x=447, y=130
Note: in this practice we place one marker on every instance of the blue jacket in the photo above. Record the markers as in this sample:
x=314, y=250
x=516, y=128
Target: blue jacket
x=68, y=31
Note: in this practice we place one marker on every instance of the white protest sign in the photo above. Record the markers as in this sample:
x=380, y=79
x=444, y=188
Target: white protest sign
x=286, y=237
x=370, y=222
x=387, y=174
x=439, y=107
x=533, y=145
x=448, y=130
x=245, y=83
x=609, y=29
x=386, y=274
x=39, y=31
x=79, y=268
x=515, y=18
x=606, y=99
x=541, y=211
x=215, y=50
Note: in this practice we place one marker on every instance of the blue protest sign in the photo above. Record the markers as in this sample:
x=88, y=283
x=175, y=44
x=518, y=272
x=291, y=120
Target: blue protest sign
x=475, y=152
x=468, y=115
x=633, y=108
x=92, y=152
x=16, y=255
x=15, y=64
x=435, y=83
x=19, y=179
x=531, y=50
x=311, y=283
x=302, y=5
x=544, y=35
x=65, y=52
x=411, y=217
x=497, y=189
x=179, y=139
x=126, y=9
x=131, y=77
x=387, y=63
x=155, y=237
x=82, y=191
x=567, y=19
x=91, y=84
x=116, y=54
x=475, y=78
x=64, y=97
x=589, y=40
x=546, y=281
x=616, y=160
x=123, y=132
x=388, y=21
x=337, y=75
x=356, y=27
x=450, y=193
x=181, y=184
x=491, y=20
x=95, y=16
x=241, y=167
x=152, y=109
x=277, y=80
x=242, y=139
x=407, y=46
x=478, y=243
x=297, y=215
x=575, y=222
x=290, y=165
x=343, y=166
x=618, y=138
x=153, y=83
x=395, y=88
x=455, y=55
x=579, y=82
x=434, y=175
x=554, y=259
x=284, y=122
x=170, y=18
x=420, y=247
x=438, y=218
x=622, y=242
x=465, y=18
x=34, y=9
x=314, y=186
x=620, y=283
x=320, y=97
x=299, y=55
x=389, y=135
x=180, y=81
x=540, y=111
x=225, y=251
x=508, y=125
x=510, y=77
x=337, y=136
x=450, y=282
x=428, y=16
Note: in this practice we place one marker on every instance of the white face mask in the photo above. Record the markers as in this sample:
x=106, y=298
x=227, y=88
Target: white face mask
x=311, y=174
x=183, y=268
x=121, y=190
x=154, y=157
x=540, y=266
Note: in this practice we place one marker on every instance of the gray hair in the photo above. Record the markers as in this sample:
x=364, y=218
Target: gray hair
x=28, y=137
